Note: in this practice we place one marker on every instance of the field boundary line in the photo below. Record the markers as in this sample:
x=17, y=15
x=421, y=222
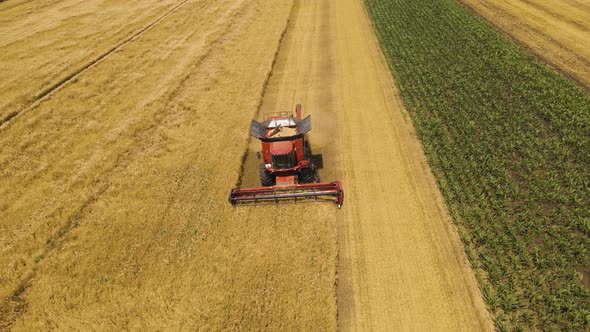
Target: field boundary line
x=46, y=92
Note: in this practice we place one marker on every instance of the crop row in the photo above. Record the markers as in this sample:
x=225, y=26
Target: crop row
x=508, y=140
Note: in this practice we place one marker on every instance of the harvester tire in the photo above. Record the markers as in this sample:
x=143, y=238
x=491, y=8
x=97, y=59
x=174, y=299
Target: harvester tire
x=308, y=175
x=266, y=178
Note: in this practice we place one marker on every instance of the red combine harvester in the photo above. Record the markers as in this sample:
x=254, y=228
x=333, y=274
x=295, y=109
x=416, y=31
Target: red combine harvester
x=286, y=171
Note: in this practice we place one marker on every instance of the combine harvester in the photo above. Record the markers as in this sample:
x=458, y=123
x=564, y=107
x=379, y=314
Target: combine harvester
x=287, y=172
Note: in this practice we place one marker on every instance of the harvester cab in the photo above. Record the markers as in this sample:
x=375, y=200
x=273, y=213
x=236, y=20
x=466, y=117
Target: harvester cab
x=286, y=169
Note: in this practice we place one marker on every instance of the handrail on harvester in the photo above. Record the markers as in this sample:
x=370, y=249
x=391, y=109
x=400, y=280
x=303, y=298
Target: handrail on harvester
x=276, y=194
x=282, y=114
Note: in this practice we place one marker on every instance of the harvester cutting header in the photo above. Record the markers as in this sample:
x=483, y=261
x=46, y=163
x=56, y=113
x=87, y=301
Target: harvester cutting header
x=287, y=172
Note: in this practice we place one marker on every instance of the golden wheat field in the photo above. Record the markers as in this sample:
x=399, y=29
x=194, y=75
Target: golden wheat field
x=125, y=124
x=557, y=31
x=114, y=211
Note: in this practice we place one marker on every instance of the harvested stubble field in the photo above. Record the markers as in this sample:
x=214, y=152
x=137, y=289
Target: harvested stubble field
x=507, y=138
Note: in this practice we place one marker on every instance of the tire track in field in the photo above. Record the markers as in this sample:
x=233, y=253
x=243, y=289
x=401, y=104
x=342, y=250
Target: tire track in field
x=15, y=305
x=4, y=122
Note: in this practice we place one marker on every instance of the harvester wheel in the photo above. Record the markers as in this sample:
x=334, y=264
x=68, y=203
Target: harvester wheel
x=308, y=175
x=266, y=178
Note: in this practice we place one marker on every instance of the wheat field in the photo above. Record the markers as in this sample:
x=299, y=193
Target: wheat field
x=114, y=211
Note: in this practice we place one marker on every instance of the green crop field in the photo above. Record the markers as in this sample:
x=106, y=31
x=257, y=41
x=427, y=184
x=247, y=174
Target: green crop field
x=509, y=142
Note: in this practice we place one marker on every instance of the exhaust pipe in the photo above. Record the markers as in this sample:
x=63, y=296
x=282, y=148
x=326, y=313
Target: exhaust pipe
x=298, y=111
